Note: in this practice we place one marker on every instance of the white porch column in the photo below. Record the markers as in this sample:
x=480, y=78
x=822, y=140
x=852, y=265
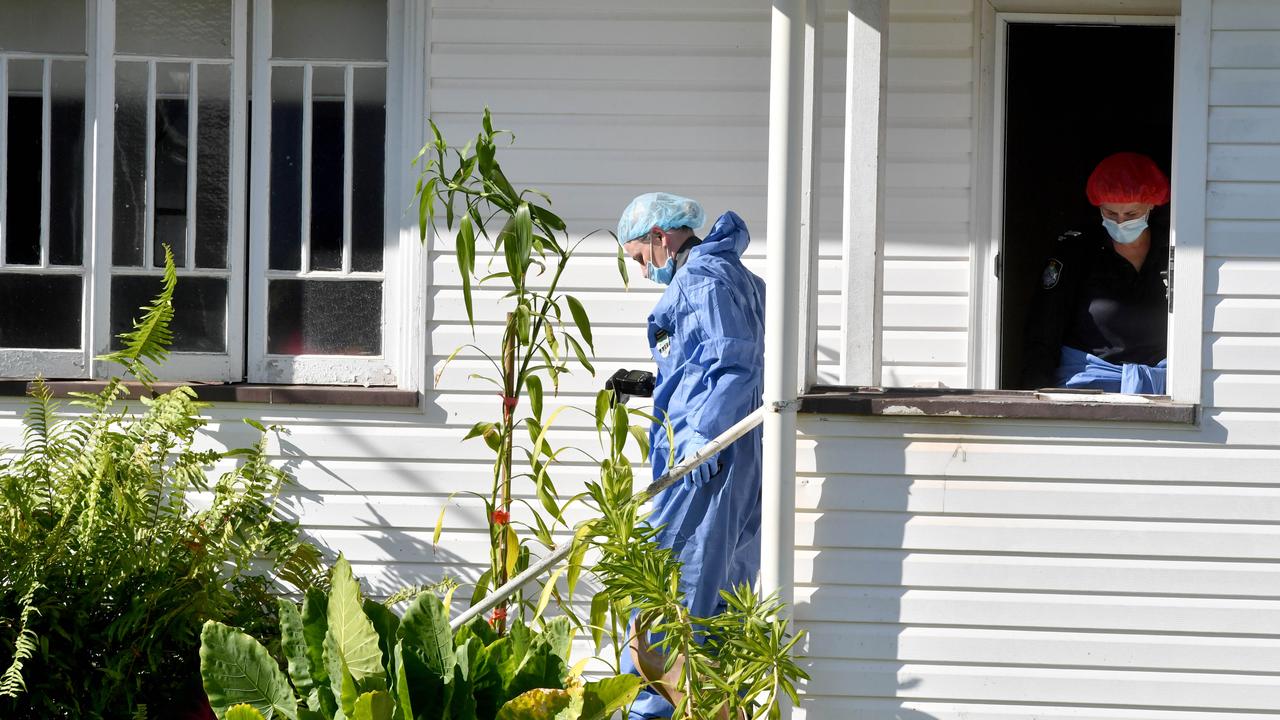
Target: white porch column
x=810, y=188
x=864, y=162
x=782, y=332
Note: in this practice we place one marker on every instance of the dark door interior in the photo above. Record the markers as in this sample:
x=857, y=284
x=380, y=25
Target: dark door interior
x=1074, y=95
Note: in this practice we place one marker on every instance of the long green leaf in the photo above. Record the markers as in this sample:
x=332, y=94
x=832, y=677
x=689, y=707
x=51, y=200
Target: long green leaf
x=466, y=249
x=533, y=386
x=237, y=669
x=547, y=589
x=356, y=639
x=293, y=642
x=315, y=625
x=524, y=234
x=581, y=320
x=582, y=356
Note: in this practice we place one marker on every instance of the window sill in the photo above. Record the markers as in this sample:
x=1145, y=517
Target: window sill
x=240, y=392
x=995, y=404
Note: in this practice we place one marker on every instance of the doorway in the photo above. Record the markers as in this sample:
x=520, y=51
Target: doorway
x=1074, y=94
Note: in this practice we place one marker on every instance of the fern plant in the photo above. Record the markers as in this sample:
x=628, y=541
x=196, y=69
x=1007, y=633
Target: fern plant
x=109, y=566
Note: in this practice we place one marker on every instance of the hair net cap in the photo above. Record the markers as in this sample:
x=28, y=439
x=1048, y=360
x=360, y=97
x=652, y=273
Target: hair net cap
x=1128, y=178
x=665, y=210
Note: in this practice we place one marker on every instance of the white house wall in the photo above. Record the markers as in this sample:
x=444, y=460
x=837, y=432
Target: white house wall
x=945, y=569
x=980, y=569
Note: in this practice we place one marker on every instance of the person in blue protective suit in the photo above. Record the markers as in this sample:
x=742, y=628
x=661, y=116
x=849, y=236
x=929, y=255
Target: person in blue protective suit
x=706, y=335
x=1100, y=318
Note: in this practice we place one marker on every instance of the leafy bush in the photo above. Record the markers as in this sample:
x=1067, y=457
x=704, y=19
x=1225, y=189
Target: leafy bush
x=107, y=570
x=349, y=657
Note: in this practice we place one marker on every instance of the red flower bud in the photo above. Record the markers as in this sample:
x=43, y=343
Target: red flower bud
x=501, y=517
x=498, y=615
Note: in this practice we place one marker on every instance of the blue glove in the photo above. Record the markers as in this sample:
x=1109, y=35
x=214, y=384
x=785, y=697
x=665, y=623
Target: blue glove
x=703, y=474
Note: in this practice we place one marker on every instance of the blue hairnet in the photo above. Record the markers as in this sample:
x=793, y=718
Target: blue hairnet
x=665, y=210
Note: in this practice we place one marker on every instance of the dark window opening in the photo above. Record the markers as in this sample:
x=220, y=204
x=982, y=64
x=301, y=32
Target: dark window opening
x=1074, y=95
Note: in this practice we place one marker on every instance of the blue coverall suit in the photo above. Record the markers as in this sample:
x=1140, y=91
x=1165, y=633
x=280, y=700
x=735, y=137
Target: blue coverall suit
x=706, y=335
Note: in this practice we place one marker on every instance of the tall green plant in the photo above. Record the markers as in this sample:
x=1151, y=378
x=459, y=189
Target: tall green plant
x=107, y=566
x=545, y=330
x=737, y=664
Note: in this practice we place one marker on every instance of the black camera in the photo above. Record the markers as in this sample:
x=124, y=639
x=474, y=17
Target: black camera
x=626, y=384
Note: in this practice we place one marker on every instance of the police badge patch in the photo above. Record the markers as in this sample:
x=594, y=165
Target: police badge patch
x=663, y=343
x=1052, y=273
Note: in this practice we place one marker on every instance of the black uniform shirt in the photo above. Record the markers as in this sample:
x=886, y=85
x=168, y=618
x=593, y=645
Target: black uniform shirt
x=1093, y=299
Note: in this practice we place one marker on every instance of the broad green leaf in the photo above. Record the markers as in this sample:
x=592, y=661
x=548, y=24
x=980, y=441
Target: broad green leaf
x=581, y=320
x=599, y=612
x=425, y=626
x=236, y=669
x=354, y=635
x=341, y=683
x=400, y=686
x=387, y=625
x=462, y=701
x=601, y=699
x=582, y=356
x=533, y=386
x=293, y=642
x=543, y=704
x=374, y=706
x=243, y=712
x=305, y=714
x=478, y=429
x=315, y=625
x=547, y=589
x=558, y=632
x=424, y=694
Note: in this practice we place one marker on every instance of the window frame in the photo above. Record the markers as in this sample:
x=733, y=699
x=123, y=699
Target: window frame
x=404, y=263
x=1190, y=148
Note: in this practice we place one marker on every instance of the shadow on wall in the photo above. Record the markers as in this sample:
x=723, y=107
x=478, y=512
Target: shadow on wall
x=850, y=560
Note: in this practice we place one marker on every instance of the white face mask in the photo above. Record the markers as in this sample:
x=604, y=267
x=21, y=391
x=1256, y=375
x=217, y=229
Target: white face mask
x=1128, y=231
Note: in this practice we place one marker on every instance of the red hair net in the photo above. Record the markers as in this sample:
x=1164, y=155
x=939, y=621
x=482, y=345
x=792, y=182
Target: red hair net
x=1128, y=178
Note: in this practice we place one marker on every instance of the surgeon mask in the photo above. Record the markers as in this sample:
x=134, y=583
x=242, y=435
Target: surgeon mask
x=661, y=275
x=1125, y=232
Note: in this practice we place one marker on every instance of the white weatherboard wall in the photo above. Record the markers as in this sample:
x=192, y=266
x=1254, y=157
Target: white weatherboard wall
x=955, y=569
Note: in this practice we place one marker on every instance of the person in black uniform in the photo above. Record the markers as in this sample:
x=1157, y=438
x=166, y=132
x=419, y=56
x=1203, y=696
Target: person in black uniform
x=1099, y=319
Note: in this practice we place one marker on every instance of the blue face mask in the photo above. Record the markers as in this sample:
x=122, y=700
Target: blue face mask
x=661, y=275
x=1125, y=232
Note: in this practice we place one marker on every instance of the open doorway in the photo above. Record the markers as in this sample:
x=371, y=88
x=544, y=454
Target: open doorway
x=1074, y=94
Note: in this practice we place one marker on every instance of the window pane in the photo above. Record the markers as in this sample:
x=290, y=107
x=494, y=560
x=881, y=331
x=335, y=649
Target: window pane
x=368, y=167
x=213, y=165
x=187, y=28
x=130, y=187
x=327, y=138
x=66, y=171
x=40, y=311
x=27, y=27
x=329, y=29
x=173, y=82
x=286, y=168
x=25, y=145
x=302, y=317
x=199, y=310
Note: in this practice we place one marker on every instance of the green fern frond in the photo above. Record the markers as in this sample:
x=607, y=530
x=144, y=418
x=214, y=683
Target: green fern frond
x=24, y=647
x=152, y=335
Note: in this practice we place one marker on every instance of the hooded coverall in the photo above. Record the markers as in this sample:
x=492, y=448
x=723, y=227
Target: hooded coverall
x=706, y=335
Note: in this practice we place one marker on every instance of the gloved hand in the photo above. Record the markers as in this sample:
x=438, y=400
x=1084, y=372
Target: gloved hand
x=703, y=474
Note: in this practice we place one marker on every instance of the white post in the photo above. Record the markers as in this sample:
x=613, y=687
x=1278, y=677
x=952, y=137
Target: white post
x=782, y=332
x=811, y=174
x=864, y=135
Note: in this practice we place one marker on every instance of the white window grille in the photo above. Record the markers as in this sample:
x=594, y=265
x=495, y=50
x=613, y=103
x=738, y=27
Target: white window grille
x=125, y=129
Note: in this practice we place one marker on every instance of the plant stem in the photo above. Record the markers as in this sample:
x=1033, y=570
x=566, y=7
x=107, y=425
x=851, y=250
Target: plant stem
x=508, y=435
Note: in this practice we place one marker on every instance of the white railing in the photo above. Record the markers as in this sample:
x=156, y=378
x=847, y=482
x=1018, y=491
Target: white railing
x=669, y=478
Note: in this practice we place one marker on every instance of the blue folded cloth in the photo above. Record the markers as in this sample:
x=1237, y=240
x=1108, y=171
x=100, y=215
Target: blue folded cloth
x=1079, y=369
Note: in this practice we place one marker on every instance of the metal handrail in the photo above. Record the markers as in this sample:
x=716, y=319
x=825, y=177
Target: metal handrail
x=669, y=478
